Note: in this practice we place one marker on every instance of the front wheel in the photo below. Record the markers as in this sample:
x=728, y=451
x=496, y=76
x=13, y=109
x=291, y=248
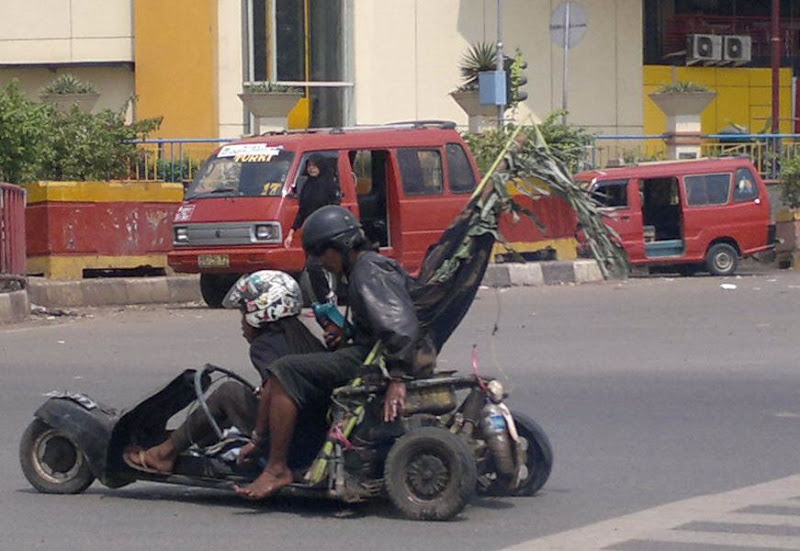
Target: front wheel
x=722, y=260
x=430, y=474
x=52, y=462
x=538, y=462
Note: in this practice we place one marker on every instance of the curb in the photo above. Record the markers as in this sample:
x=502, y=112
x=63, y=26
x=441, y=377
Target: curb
x=536, y=274
x=15, y=306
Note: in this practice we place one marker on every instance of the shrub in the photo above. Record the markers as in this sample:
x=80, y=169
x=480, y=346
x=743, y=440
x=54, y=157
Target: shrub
x=23, y=128
x=569, y=143
x=68, y=84
x=790, y=182
x=682, y=87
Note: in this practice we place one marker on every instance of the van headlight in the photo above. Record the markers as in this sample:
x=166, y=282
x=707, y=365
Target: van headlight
x=267, y=232
x=181, y=235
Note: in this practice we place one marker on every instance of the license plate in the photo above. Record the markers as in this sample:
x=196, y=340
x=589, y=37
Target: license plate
x=213, y=261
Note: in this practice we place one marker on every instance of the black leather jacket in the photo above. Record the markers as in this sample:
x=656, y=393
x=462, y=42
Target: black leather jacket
x=382, y=309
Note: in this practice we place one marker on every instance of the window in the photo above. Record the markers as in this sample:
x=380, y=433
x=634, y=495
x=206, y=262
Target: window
x=421, y=170
x=459, y=170
x=708, y=189
x=329, y=160
x=613, y=193
x=746, y=188
x=251, y=170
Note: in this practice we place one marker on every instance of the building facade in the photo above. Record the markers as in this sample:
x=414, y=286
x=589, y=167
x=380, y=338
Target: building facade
x=373, y=61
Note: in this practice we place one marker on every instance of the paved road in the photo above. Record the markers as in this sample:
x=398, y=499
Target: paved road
x=672, y=405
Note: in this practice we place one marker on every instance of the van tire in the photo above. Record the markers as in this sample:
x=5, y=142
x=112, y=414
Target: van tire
x=214, y=287
x=722, y=260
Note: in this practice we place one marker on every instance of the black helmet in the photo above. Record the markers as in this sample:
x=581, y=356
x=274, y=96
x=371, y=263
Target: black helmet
x=332, y=227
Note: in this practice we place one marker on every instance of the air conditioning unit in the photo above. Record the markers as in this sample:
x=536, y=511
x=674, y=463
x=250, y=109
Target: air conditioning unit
x=737, y=49
x=703, y=47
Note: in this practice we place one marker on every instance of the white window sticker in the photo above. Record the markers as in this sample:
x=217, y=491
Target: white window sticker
x=250, y=149
x=184, y=213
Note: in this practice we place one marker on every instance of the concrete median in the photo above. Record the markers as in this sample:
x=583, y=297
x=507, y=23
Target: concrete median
x=15, y=306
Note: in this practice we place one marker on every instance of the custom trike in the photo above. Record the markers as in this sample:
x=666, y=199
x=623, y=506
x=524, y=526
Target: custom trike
x=455, y=437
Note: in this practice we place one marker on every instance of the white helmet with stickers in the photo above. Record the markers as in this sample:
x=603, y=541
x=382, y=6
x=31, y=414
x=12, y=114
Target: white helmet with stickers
x=265, y=296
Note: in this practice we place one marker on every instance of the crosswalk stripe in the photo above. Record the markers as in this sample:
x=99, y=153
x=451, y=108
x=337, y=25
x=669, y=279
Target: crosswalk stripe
x=724, y=538
x=642, y=524
x=753, y=518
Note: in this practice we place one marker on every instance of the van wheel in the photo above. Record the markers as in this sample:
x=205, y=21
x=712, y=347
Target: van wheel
x=722, y=260
x=214, y=287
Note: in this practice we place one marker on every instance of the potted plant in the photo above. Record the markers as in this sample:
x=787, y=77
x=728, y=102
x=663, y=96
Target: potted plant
x=683, y=103
x=787, y=219
x=68, y=90
x=482, y=57
x=267, y=100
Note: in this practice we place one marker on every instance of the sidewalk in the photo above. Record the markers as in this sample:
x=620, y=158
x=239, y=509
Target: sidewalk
x=15, y=306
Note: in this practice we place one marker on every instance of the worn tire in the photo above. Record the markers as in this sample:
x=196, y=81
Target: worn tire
x=722, y=260
x=214, y=287
x=430, y=474
x=540, y=455
x=52, y=462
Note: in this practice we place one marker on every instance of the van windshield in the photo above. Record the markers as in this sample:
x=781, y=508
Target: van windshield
x=256, y=170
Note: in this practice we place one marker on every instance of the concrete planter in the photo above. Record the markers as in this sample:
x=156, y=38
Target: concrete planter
x=481, y=117
x=787, y=231
x=64, y=102
x=271, y=109
x=683, y=110
x=71, y=227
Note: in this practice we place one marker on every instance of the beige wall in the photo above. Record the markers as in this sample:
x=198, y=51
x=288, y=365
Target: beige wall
x=114, y=83
x=407, y=54
x=230, y=63
x=66, y=31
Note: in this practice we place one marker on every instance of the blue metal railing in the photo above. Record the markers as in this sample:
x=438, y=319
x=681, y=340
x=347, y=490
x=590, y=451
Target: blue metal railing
x=173, y=160
x=176, y=160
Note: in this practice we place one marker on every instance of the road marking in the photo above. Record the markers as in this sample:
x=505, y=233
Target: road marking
x=772, y=503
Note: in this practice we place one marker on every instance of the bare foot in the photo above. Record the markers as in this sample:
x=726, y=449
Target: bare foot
x=265, y=485
x=152, y=460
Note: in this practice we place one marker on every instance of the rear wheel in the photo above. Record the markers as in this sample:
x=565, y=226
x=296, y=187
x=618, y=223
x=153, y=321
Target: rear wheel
x=214, y=287
x=52, y=462
x=722, y=260
x=430, y=474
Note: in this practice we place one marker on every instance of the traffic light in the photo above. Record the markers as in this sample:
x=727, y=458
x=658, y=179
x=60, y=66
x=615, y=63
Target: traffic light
x=515, y=79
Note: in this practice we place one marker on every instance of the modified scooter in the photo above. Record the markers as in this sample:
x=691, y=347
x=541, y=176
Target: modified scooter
x=455, y=436
x=428, y=463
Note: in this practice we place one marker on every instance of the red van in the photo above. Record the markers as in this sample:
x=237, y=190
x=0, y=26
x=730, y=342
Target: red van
x=406, y=182
x=696, y=214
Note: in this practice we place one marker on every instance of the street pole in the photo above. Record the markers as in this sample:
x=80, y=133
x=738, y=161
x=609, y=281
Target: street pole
x=776, y=83
x=566, y=65
x=501, y=109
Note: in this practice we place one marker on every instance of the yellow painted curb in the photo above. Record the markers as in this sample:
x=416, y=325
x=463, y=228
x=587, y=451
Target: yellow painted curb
x=787, y=215
x=150, y=191
x=566, y=248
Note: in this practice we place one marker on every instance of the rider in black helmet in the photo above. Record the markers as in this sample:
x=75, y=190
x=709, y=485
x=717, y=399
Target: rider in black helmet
x=380, y=308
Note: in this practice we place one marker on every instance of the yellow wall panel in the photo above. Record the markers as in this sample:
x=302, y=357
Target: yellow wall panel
x=744, y=96
x=176, y=65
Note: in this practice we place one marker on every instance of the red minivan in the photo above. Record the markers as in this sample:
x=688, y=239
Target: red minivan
x=693, y=215
x=406, y=182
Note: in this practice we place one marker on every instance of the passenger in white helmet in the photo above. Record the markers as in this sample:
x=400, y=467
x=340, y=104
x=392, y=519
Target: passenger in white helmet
x=270, y=302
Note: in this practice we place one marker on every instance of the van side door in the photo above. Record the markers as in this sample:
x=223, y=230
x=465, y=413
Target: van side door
x=426, y=208
x=622, y=212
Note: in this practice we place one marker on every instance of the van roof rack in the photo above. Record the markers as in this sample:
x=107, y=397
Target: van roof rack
x=443, y=124
x=671, y=161
x=397, y=125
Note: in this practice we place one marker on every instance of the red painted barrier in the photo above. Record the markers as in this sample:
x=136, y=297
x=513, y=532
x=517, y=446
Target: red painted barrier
x=12, y=230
